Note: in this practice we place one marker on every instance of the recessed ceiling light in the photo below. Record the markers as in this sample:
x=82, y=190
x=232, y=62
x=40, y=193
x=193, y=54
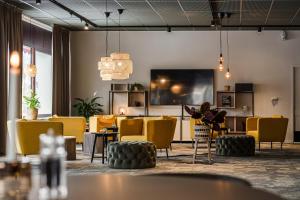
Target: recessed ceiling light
x=38, y=2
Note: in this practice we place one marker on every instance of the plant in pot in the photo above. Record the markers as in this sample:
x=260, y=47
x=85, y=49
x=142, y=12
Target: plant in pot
x=88, y=107
x=33, y=104
x=206, y=119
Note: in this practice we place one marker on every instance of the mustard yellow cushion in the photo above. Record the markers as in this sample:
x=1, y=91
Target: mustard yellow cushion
x=134, y=138
x=254, y=134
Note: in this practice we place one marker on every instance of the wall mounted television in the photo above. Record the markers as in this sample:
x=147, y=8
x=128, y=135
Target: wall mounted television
x=181, y=86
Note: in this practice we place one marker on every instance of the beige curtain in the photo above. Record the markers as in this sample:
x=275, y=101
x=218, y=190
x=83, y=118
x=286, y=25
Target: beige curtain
x=61, y=53
x=11, y=38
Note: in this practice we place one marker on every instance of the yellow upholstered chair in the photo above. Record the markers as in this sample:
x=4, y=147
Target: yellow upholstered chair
x=131, y=130
x=28, y=133
x=145, y=121
x=161, y=133
x=99, y=122
x=73, y=126
x=267, y=129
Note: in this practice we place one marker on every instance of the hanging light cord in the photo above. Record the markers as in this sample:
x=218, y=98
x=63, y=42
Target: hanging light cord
x=119, y=32
x=106, y=36
x=221, y=39
x=227, y=51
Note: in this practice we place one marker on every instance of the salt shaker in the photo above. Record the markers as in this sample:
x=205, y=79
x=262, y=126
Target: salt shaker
x=53, y=177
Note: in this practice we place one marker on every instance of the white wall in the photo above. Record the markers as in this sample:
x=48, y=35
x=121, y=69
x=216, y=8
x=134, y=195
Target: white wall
x=261, y=58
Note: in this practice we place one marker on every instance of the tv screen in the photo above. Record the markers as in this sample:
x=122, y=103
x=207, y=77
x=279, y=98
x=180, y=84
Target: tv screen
x=181, y=86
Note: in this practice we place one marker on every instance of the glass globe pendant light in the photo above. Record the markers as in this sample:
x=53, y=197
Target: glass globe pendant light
x=122, y=62
x=227, y=74
x=221, y=59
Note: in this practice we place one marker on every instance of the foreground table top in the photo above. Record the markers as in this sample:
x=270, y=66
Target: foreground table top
x=108, y=187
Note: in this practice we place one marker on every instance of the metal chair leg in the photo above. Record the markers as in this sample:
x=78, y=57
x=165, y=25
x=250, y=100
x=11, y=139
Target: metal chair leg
x=195, y=152
x=209, y=150
x=167, y=153
x=271, y=145
x=171, y=146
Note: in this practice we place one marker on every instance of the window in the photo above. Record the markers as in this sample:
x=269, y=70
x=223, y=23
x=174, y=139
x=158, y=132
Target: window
x=44, y=82
x=26, y=80
x=37, y=48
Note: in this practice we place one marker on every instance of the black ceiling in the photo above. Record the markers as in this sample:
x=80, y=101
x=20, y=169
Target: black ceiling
x=159, y=14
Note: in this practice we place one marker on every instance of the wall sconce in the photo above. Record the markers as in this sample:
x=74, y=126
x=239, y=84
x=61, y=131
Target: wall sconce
x=122, y=111
x=274, y=100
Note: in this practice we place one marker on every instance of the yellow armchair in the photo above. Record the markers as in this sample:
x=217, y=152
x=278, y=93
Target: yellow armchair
x=161, y=133
x=73, y=126
x=267, y=129
x=28, y=133
x=131, y=130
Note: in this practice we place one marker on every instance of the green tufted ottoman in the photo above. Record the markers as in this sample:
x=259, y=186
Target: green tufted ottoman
x=131, y=155
x=235, y=145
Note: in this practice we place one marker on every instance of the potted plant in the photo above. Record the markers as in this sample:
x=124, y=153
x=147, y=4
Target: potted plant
x=33, y=104
x=206, y=119
x=88, y=107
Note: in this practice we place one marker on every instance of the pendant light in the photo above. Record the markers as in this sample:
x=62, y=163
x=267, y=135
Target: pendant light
x=221, y=59
x=123, y=64
x=227, y=74
x=31, y=68
x=106, y=65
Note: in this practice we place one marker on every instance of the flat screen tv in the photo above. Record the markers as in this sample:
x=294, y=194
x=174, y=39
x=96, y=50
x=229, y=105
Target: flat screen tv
x=181, y=86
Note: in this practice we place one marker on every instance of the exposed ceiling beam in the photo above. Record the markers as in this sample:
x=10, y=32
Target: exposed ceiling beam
x=72, y=12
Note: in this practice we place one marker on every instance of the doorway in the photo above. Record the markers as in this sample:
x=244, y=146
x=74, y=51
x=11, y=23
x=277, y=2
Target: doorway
x=296, y=100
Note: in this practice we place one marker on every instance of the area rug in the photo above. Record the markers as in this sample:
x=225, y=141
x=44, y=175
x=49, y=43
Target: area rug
x=273, y=170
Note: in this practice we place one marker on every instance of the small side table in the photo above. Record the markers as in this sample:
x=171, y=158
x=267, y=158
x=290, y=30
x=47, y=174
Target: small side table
x=70, y=147
x=104, y=136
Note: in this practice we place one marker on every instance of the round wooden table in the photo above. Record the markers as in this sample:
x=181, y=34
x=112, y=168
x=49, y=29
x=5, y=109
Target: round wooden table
x=153, y=187
x=123, y=187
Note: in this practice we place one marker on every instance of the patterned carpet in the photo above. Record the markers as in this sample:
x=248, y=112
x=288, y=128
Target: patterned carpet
x=273, y=170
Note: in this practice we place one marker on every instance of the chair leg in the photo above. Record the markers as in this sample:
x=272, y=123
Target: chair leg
x=271, y=145
x=82, y=146
x=171, y=146
x=167, y=153
x=193, y=144
x=195, y=152
x=258, y=146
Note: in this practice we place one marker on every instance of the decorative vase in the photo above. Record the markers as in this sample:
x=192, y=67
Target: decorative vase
x=34, y=113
